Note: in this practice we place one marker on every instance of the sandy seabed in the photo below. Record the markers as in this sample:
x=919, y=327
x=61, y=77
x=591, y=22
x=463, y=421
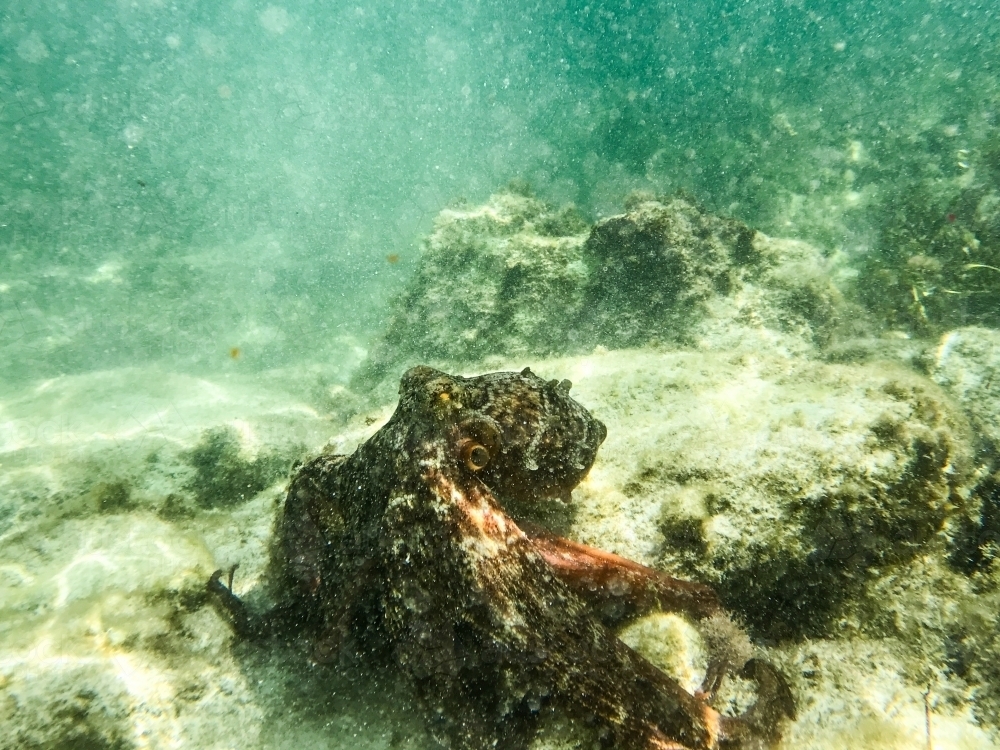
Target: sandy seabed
x=106, y=639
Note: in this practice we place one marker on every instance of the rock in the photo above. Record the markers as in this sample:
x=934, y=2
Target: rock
x=821, y=499
x=106, y=643
x=502, y=278
x=966, y=363
x=947, y=620
x=515, y=278
x=76, y=705
x=784, y=483
x=667, y=271
x=651, y=269
x=861, y=693
x=672, y=644
x=788, y=303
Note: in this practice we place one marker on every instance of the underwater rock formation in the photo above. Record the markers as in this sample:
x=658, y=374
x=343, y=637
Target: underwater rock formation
x=825, y=503
x=651, y=268
x=516, y=278
x=104, y=642
x=501, y=278
x=53, y=709
x=966, y=363
x=712, y=446
x=666, y=271
x=784, y=483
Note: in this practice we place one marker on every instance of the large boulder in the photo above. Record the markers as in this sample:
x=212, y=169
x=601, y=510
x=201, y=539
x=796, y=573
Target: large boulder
x=506, y=277
x=515, y=277
x=785, y=483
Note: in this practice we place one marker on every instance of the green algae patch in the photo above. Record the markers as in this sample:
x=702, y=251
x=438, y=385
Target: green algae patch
x=114, y=496
x=223, y=474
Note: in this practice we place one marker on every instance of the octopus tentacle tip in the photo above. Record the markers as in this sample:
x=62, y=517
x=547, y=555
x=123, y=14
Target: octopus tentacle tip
x=761, y=725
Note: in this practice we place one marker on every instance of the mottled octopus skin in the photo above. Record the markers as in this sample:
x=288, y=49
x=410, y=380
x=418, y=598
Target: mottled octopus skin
x=488, y=621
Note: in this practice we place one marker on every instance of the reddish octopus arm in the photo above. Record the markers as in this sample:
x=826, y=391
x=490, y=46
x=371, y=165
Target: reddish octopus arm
x=617, y=587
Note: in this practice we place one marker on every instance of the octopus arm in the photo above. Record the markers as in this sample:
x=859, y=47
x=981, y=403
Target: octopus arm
x=448, y=626
x=562, y=652
x=617, y=588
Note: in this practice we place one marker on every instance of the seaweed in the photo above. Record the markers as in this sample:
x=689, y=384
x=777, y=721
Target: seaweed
x=936, y=264
x=224, y=476
x=112, y=497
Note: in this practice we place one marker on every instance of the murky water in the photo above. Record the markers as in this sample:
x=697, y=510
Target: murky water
x=209, y=214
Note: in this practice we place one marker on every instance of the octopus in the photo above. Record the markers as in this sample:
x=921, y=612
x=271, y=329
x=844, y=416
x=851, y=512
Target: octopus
x=406, y=542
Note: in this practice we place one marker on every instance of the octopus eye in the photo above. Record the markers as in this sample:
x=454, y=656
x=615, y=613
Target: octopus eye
x=475, y=456
x=478, y=442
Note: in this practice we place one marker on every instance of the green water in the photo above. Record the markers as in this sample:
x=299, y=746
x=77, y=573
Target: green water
x=208, y=210
x=241, y=172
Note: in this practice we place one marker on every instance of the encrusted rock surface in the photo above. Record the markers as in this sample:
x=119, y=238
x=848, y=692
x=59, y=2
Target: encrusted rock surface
x=515, y=277
x=502, y=278
x=106, y=644
x=652, y=267
x=785, y=483
x=966, y=362
x=717, y=466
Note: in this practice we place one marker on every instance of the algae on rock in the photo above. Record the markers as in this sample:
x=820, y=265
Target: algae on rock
x=515, y=278
x=966, y=363
x=651, y=267
x=937, y=263
x=785, y=483
x=668, y=272
x=75, y=706
x=223, y=475
x=106, y=644
x=501, y=278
